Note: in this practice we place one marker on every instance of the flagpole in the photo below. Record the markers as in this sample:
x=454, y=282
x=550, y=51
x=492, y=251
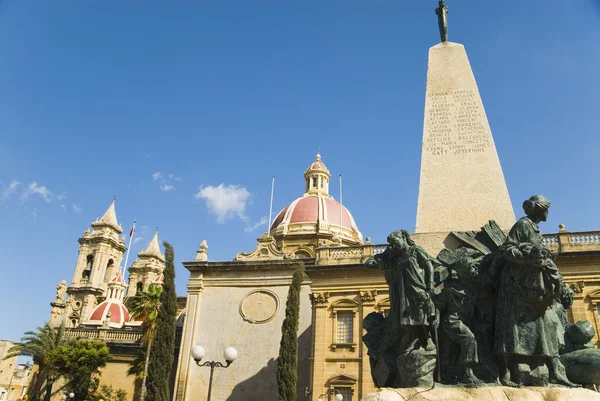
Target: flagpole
x=341, y=209
x=271, y=205
x=129, y=247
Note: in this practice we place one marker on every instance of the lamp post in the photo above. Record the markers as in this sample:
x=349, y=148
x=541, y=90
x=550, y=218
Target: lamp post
x=338, y=396
x=230, y=355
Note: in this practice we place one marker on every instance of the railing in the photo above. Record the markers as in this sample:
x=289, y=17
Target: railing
x=346, y=252
x=584, y=238
x=377, y=249
x=107, y=335
x=550, y=240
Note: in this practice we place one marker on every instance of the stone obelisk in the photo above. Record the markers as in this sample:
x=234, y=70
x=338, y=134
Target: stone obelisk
x=462, y=186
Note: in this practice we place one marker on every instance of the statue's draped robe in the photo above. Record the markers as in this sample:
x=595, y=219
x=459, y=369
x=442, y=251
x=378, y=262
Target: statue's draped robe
x=523, y=327
x=409, y=278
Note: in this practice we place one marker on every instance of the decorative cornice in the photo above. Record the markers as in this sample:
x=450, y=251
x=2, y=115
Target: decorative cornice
x=368, y=296
x=118, y=245
x=320, y=298
x=577, y=287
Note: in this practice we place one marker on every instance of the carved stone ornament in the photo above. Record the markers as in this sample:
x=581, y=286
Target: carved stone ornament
x=259, y=306
x=319, y=297
x=368, y=296
x=266, y=249
x=578, y=287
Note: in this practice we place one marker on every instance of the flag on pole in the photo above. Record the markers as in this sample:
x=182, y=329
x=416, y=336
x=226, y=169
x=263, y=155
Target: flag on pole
x=132, y=231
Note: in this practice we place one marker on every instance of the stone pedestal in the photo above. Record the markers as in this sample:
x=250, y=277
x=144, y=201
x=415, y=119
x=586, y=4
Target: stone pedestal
x=461, y=184
x=483, y=394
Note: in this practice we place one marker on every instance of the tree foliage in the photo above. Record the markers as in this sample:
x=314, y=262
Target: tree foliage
x=108, y=393
x=159, y=371
x=79, y=363
x=40, y=345
x=287, y=363
x=137, y=366
x=146, y=305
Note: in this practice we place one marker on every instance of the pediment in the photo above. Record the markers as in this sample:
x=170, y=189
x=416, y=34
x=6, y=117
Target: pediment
x=266, y=249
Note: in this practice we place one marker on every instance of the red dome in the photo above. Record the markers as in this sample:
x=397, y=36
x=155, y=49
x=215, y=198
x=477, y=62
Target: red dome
x=118, y=311
x=302, y=216
x=118, y=279
x=318, y=165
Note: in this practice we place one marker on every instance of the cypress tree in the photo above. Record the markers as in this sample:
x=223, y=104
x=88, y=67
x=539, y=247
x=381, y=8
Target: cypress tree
x=161, y=354
x=287, y=363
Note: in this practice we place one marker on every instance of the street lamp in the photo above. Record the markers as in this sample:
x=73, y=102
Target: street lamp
x=65, y=396
x=230, y=354
x=338, y=396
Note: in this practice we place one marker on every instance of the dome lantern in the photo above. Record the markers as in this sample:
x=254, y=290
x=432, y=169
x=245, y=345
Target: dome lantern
x=317, y=178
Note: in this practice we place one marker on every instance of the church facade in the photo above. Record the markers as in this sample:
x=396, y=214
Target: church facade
x=241, y=303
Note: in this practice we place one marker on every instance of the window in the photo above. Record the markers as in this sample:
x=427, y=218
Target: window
x=139, y=287
x=343, y=313
x=109, y=270
x=383, y=307
x=343, y=385
x=346, y=392
x=88, y=267
x=314, y=181
x=345, y=327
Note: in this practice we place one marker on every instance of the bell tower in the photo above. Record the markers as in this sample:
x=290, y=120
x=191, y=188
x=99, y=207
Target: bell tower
x=147, y=269
x=100, y=254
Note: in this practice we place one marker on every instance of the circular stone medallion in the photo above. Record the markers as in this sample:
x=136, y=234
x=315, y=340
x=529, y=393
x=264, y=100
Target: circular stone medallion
x=259, y=306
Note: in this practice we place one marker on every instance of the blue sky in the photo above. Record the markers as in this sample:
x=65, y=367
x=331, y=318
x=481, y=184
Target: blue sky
x=98, y=97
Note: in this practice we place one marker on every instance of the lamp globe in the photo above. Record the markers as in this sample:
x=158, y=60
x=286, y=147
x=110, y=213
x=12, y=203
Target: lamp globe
x=198, y=352
x=230, y=354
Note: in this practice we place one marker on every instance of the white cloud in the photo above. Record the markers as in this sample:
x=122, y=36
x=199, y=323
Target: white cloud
x=225, y=202
x=34, y=189
x=9, y=191
x=166, y=180
x=77, y=209
x=61, y=196
x=64, y=207
x=137, y=239
x=263, y=222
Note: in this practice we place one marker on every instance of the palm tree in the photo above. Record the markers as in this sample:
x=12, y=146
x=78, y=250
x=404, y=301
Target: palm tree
x=145, y=305
x=39, y=345
x=136, y=368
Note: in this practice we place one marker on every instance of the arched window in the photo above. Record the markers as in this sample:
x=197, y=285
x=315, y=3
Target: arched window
x=139, y=287
x=302, y=255
x=383, y=307
x=87, y=272
x=109, y=270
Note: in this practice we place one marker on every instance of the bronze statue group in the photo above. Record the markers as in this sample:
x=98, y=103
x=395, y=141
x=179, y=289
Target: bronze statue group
x=492, y=311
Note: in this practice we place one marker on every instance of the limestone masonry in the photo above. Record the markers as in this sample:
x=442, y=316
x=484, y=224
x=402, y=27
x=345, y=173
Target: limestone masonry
x=462, y=185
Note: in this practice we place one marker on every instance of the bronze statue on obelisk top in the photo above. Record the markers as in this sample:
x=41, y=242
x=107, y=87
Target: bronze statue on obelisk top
x=442, y=13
